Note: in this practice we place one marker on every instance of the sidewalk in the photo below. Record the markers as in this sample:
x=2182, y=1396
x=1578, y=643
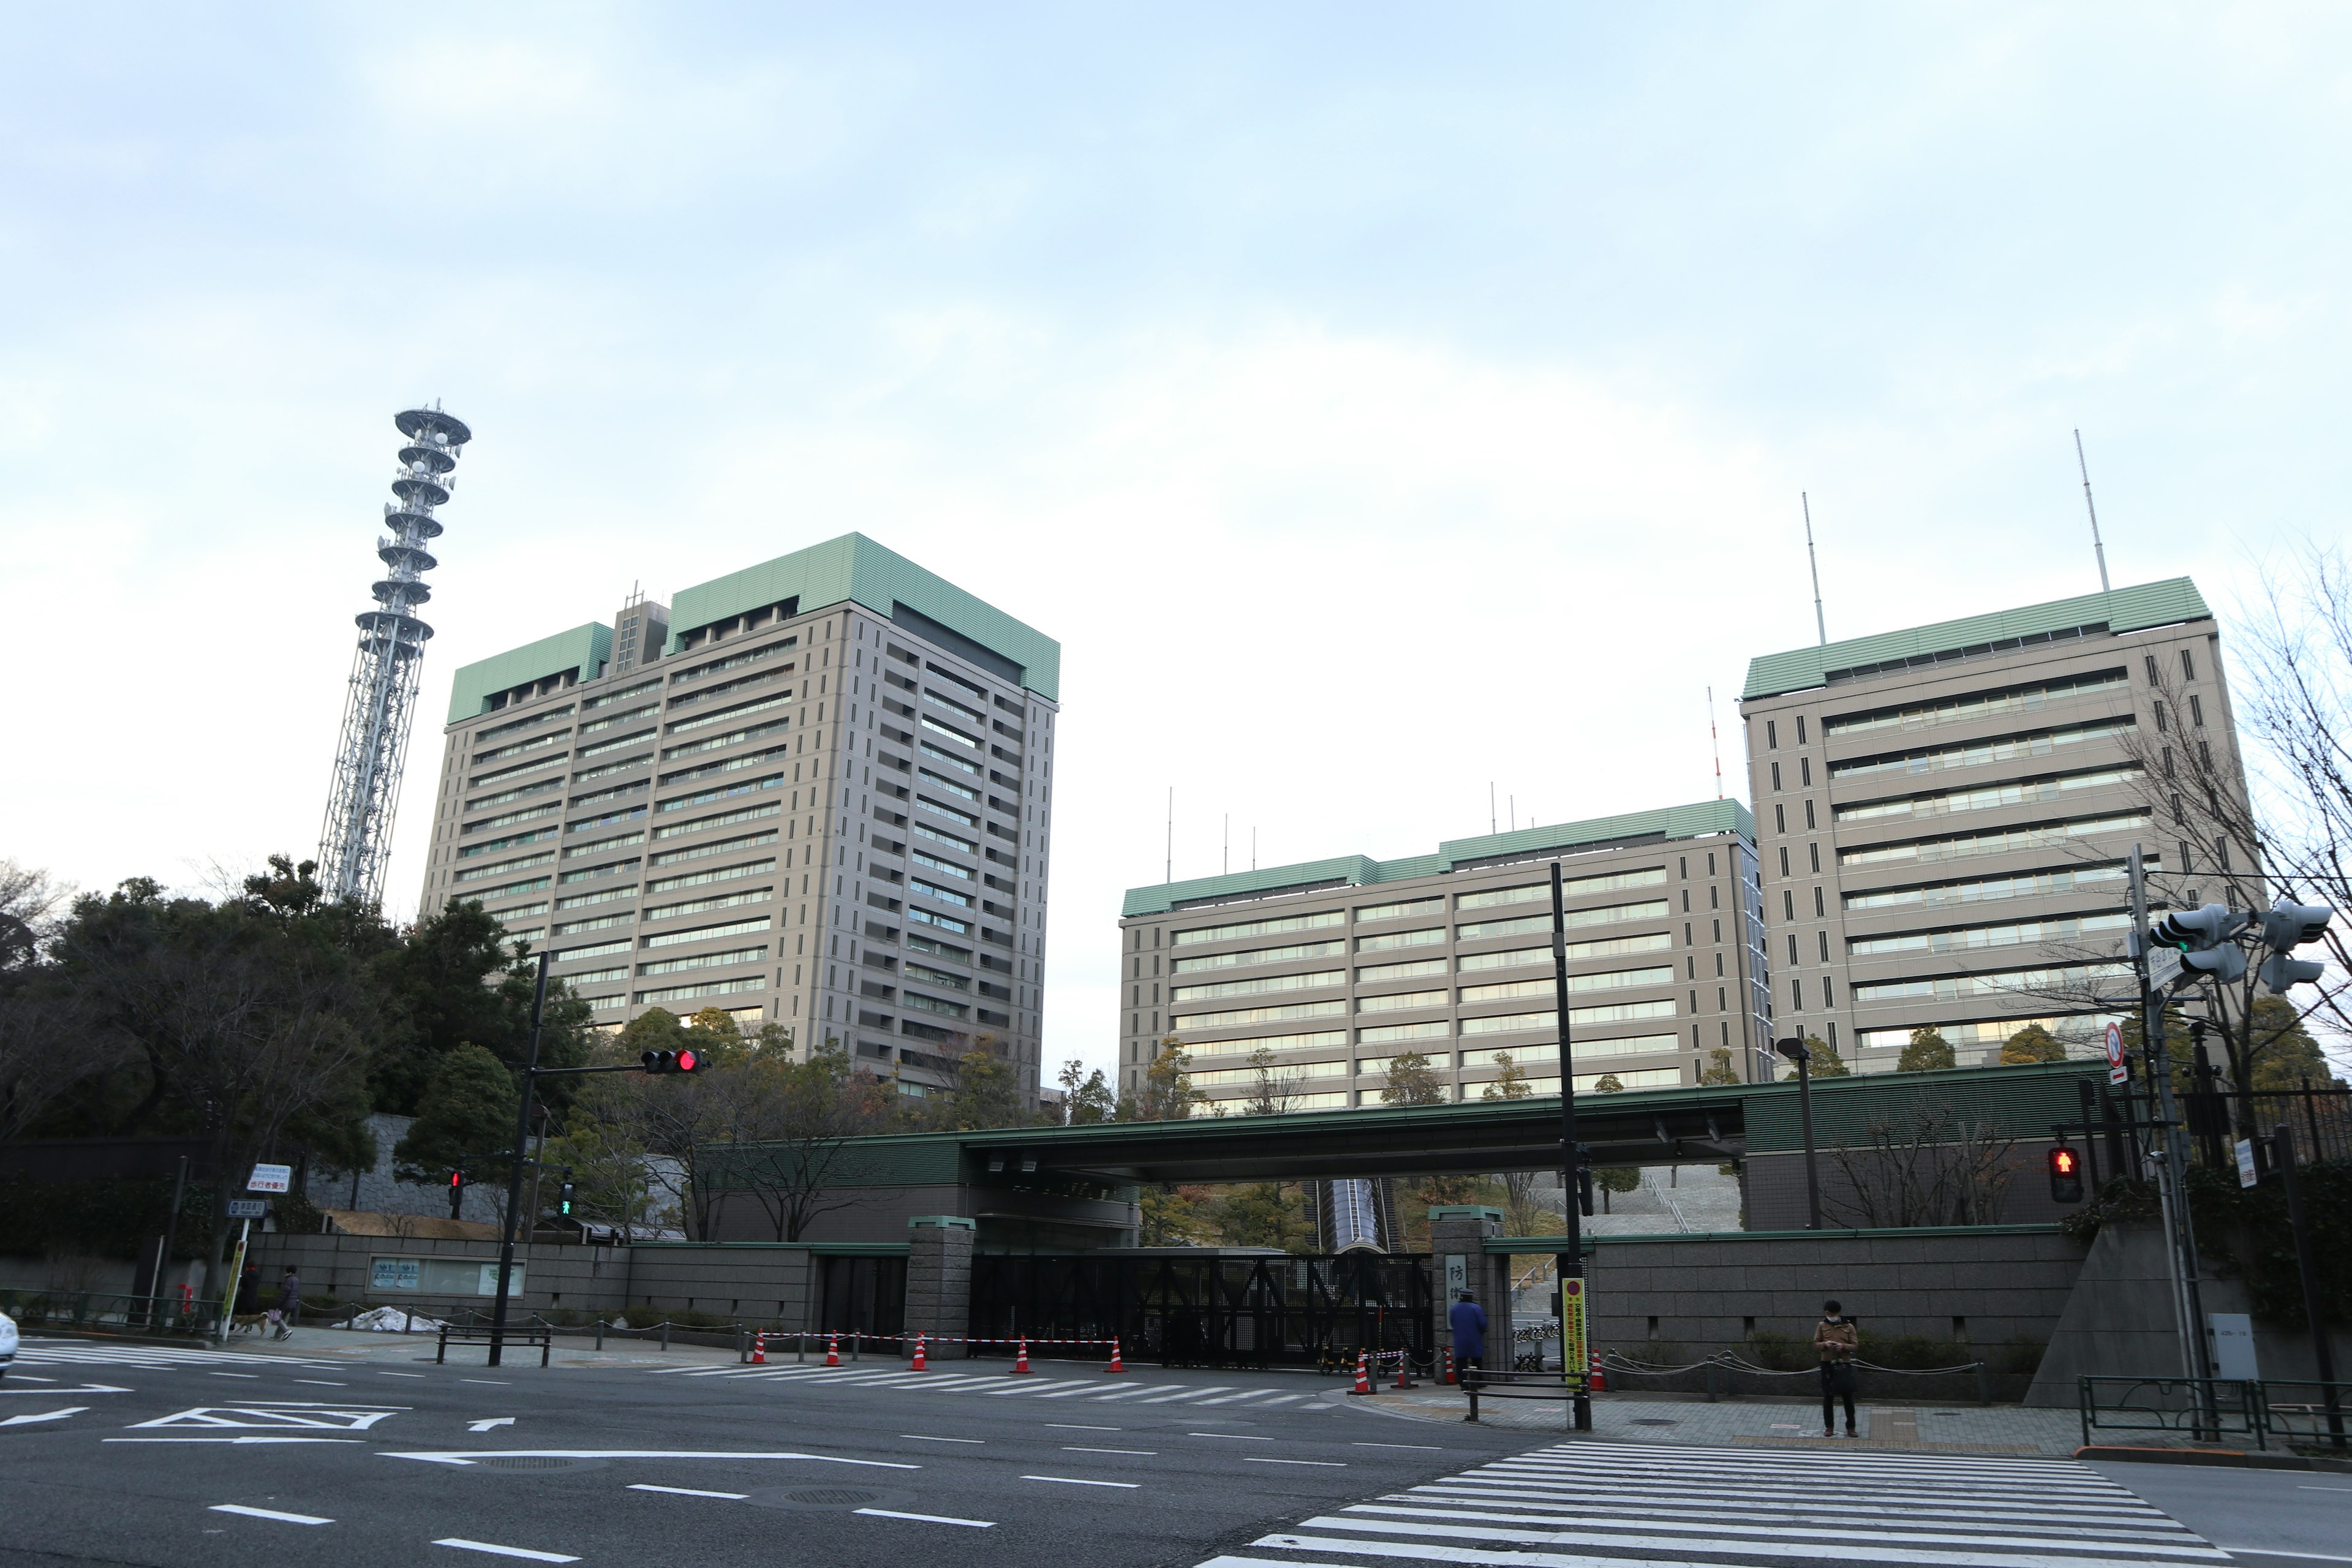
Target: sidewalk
x=361, y=1345
x=1792, y=1423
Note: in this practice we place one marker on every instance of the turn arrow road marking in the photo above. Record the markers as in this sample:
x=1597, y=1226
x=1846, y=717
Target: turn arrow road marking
x=47, y=1415
x=486, y=1425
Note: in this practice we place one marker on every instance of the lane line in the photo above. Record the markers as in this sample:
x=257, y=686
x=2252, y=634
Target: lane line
x=1189, y=1394
x=927, y=1518
x=492, y=1382
x=321, y=1383
x=382, y=1374
x=268, y=1513
x=1139, y=1452
x=1230, y=1436
x=496, y=1550
x=1074, y=1481
x=925, y=1437
x=1078, y=1427
x=1324, y=1464
x=232, y=1439
x=686, y=1491
x=45, y=1416
x=472, y=1455
x=1285, y=1399
x=1420, y=1448
x=244, y=1374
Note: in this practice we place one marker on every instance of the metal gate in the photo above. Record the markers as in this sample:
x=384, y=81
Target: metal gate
x=1210, y=1310
x=865, y=1295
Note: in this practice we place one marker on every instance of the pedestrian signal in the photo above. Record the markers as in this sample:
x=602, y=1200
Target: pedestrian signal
x=563, y=1200
x=2065, y=1175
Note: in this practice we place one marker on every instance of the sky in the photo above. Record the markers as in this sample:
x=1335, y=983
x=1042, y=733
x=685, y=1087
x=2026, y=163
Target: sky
x=1378, y=403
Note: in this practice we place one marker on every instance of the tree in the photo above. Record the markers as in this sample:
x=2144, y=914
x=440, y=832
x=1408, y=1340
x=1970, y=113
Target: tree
x=2031, y=1044
x=1924, y=1164
x=986, y=1093
x=1273, y=1093
x=1825, y=1063
x=1168, y=1214
x=466, y=1115
x=2287, y=1054
x=714, y=1035
x=1609, y=1083
x=1086, y=1101
x=1719, y=1069
x=1615, y=1179
x=457, y=980
x=1928, y=1052
x=1167, y=1094
x=1262, y=1214
x=1411, y=1081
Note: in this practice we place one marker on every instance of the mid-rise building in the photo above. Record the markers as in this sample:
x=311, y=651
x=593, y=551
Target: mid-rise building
x=1338, y=966
x=1945, y=813
x=817, y=792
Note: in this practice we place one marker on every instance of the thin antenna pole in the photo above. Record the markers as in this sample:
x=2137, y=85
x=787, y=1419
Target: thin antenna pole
x=1493, y=822
x=1170, y=875
x=1716, y=741
x=1514, y=801
x=1225, y=853
x=2096, y=548
x=1812, y=561
x=1253, y=848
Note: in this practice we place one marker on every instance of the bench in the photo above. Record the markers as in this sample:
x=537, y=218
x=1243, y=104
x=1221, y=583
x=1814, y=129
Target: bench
x=484, y=1333
x=1515, y=1385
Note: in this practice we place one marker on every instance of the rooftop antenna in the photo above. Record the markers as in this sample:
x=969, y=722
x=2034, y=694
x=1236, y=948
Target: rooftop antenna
x=1492, y=820
x=2096, y=548
x=1253, y=848
x=1225, y=854
x=380, y=703
x=1716, y=741
x=1812, y=561
x=1515, y=811
x=1169, y=874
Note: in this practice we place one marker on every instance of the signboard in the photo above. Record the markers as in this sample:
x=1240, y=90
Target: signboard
x=2247, y=1175
x=2163, y=966
x=1575, y=1358
x=1457, y=1276
x=271, y=1179
x=2119, y=1071
x=247, y=1209
x=438, y=1275
x=2233, y=1345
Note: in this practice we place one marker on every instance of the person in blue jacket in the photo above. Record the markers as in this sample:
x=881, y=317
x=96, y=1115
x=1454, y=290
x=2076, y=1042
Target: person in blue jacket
x=1468, y=1321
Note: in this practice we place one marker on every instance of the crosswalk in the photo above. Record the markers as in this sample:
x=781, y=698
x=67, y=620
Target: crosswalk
x=152, y=1358
x=1612, y=1505
x=1094, y=1389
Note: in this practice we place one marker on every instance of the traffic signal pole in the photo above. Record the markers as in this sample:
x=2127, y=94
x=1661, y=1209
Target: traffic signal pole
x=514, y=1168
x=1569, y=1265
x=2172, y=1159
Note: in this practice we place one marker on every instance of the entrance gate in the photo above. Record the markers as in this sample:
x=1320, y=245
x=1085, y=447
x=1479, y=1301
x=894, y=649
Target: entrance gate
x=1210, y=1310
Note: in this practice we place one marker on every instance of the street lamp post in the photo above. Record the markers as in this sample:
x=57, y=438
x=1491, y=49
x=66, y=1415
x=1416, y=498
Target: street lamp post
x=1797, y=1052
x=1570, y=1266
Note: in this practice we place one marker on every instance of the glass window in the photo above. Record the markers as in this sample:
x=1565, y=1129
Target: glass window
x=1979, y=705
x=1256, y=956
x=705, y=933
x=1964, y=987
x=1608, y=914
x=1396, y=911
x=704, y=960
x=1401, y=1000
x=1260, y=984
x=1976, y=754
x=1261, y=928
x=1988, y=797
x=1274, y=1015
x=1381, y=972
x=1395, y=939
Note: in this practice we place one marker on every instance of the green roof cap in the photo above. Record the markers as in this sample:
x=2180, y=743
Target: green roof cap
x=854, y=568
x=1361, y=871
x=582, y=648
x=2174, y=600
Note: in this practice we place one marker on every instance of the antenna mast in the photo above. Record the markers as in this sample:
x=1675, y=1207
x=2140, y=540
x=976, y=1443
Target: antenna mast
x=1716, y=741
x=1820, y=624
x=355, y=839
x=2096, y=548
x=1170, y=875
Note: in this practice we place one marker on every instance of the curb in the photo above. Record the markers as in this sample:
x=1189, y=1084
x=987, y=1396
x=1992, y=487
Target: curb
x=2225, y=1459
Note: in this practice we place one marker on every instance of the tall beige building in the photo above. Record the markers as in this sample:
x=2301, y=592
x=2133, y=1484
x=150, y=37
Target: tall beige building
x=817, y=792
x=1945, y=812
x=1338, y=966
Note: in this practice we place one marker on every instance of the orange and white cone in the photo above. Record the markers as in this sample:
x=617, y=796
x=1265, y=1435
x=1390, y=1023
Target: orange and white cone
x=1448, y=1353
x=1116, y=1365
x=1598, y=1381
x=1363, y=1375
x=759, y=1350
x=921, y=1364
x=1021, y=1362
x=1405, y=1369
x=832, y=1350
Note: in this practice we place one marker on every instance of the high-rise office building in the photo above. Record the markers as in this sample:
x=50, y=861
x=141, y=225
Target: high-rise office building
x=1945, y=813
x=817, y=792
x=1338, y=966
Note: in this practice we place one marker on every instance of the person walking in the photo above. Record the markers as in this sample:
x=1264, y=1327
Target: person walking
x=1468, y=1321
x=1836, y=1338
x=289, y=1304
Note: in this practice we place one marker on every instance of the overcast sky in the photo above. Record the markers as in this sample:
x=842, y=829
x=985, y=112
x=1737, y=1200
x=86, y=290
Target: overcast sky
x=1375, y=401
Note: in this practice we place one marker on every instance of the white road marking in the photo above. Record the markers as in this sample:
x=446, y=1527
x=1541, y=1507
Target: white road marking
x=1419, y=1447
x=1080, y=1386
x=1131, y=1393
x=54, y=1392
x=383, y=1373
x=1325, y=1464
x=1230, y=1436
x=1074, y=1481
x=1236, y=1398
x=321, y=1383
x=45, y=1416
x=485, y=1426
x=28, y=1377
x=248, y=1439
x=469, y=1456
x=1142, y=1453
x=2298, y=1556
x=2300, y=1488
x=1077, y=1426
x=921, y=1437
x=1285, y=1399
x=1189, y=1394
x=492, y=1382
x=287, y=1413
x=268, y=1513
x=232, y=1374
x=523, y=1552
x=927, y=1518
x=1088, y=1387
x=686, y=1491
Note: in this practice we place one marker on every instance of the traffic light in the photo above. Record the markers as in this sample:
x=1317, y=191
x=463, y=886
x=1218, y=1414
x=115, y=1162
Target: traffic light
x=672, y=1061
x=2202, y=935
x=2284, y=929
x=2065, y=1175
x=456, y=1192
x=1584, y=1190
x=563, y=1200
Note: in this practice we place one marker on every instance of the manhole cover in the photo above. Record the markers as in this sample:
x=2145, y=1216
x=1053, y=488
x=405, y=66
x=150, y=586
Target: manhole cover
x=540, y=1462
x=1651, y=1421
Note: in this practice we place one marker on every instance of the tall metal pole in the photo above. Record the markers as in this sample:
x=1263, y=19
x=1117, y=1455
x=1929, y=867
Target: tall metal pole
x=170, y=1238
x=2172, y=1168
x=2323, y=1354
x=1820, y=624
x=1805, y=1113
x=514, y=1169
x=1569, y=1265
x=2096, y=548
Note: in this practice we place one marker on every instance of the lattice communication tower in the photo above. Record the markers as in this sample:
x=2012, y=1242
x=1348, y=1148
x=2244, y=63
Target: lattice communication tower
x=356, y=838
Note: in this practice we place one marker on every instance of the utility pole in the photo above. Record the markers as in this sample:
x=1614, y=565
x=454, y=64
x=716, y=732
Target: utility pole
x=1569, y=1265
x=2172, y=1158
x=2096, y=548
x=514, y=1169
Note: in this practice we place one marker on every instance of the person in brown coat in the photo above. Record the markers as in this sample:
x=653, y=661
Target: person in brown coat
x=1835, y=1339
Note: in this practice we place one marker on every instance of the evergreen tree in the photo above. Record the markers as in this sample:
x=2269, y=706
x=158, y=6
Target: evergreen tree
x=466, y=1115
x=1827, y=1063
x=1719, y=1069
x=2031, y=1044
x=1928, y=1052
x=1411, y=1081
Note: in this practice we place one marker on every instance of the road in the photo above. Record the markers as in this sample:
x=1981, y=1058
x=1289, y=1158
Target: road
x=116, y=1453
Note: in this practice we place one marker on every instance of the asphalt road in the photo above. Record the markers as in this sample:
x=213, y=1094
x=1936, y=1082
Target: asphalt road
x=112, y=1454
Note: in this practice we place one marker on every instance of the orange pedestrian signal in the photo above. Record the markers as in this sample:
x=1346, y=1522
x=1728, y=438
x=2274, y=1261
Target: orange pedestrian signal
x=2065, y=1175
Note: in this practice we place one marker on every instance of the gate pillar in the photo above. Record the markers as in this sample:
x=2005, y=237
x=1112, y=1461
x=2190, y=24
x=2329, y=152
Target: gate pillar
x=939, y=1281
x=1458, y=1243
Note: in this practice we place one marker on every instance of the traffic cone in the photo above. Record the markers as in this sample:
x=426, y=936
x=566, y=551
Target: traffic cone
x=1116, y=1365
x=1598, y=1381
x=1405, y=1369
x=759, y=1350
x=921, y=1364
x=832, y=1350
x=1363, y=1375
x=1448, y=1353
x=1021, y=1363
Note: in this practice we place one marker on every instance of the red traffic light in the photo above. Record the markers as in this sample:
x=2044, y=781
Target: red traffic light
x=2063, y=1162
x=456, y=1178
x=2065, y=1175
x=671, y=1061
x=687, y=1061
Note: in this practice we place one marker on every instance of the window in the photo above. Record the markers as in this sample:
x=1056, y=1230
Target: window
x=2205, y=755
x=1682, y=864
x=1258, y=956
x=1805, y=772
x=1819, y=913
x=1796, y=995
x=1780, y=818
x=1614, y=980
x=1975, y=753
x=1401, y=938
x=2163, y=719
x=1829, y=999
x=1793, y=947
x=1401, y=999
x=1987, y=797
x=1718, y=930
x=1776, y=774
x=2179, y=812
x=2187, y=665
x=2197, y=710
x=2221, y=850
x=1261, y=984
x=1814, y=850
x=1800, y=728
x=2188, y=865
x=1772, y=738
x=2167, y=761
x=1788, y=904
x=1425, y=966
x=1607, y=914
x=1825, y=937
x=2154, y=676
x=1411, y=907
x=1980, y=705
x=1811, y=825
x=1784, y=859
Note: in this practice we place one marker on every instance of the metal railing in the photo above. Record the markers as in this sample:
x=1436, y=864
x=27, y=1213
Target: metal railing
x=103, y=1310
x=2216, y=1408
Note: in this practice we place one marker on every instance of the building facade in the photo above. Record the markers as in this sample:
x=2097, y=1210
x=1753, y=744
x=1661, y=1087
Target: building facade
x=817, y=791
x=1338, y=966
x=1945, y=815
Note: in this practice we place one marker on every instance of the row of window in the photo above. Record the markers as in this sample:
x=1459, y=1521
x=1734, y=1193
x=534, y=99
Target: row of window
x=1987, y=797
x=2026, y=699
x=1969, y=939
x=1988, y=890
x=1326, y=919
x=1962, y=987
x=1979, y=753
x=1609, y=1013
